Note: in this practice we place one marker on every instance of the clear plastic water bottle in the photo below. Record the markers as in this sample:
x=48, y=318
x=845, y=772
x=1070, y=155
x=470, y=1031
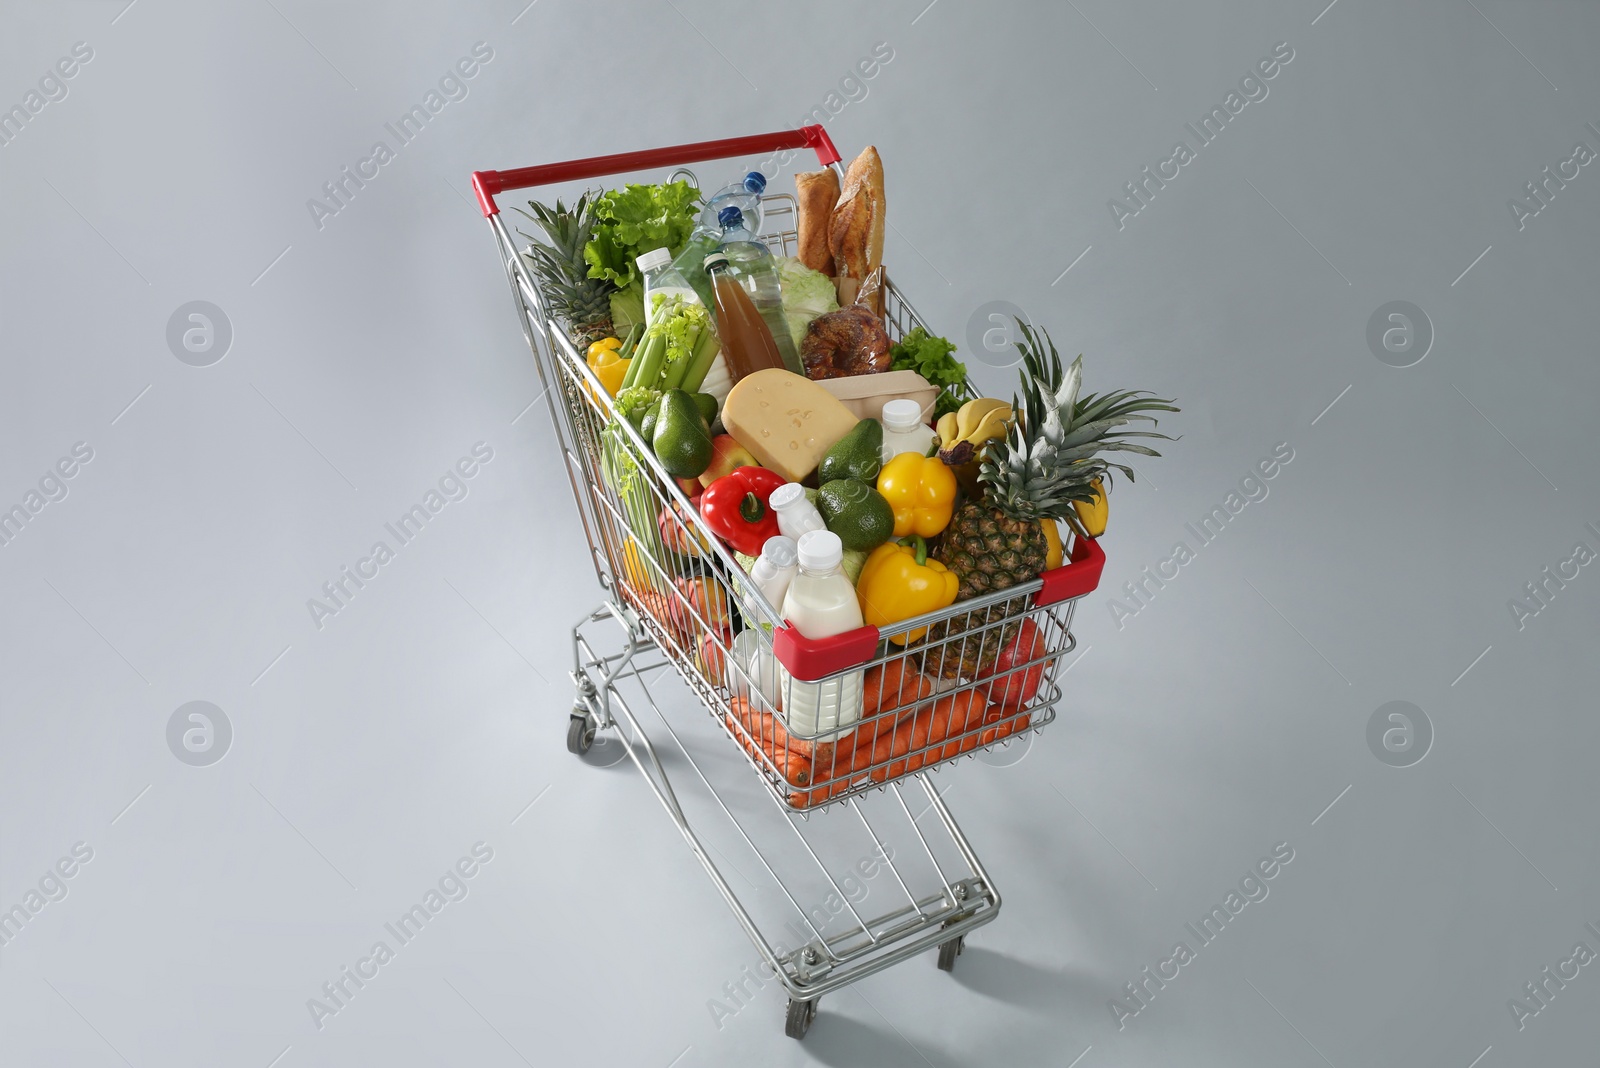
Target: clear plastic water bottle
x=751, y=265
x=745, y=194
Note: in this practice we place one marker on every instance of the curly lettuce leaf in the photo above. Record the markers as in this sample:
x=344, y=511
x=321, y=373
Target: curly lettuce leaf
x=636, y=219
x=931, y=357
x=627, y=308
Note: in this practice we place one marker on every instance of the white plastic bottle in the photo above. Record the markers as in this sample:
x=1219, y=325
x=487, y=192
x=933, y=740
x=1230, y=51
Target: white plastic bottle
x=775, y=568
x=904, y=430
x=661, y=278
x=756, y=667
x=797, y=516
x=821, y=602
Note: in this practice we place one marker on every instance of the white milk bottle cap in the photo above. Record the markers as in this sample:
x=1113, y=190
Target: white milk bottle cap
x=785, y=495
x=820, y=550
x=902, y=414
x=656, y=257
x=780, y=551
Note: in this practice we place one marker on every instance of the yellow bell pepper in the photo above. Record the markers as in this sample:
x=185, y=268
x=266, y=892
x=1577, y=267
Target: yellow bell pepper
x=607, y=366
x=634, y=569
x=922, y=492
x=898, y=581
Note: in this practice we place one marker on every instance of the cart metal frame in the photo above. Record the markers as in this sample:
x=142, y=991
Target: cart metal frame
x=663, y=610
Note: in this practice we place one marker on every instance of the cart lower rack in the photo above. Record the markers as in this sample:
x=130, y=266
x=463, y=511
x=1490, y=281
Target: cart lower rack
x=676, y=601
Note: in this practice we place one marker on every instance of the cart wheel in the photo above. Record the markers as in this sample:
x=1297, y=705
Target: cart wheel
x=798, y=1019
x=580, y=734
x=949, y=951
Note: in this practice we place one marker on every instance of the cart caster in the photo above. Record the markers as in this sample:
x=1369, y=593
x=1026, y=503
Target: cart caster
x=580, y=734
x=798, y=1019
x=949, y=951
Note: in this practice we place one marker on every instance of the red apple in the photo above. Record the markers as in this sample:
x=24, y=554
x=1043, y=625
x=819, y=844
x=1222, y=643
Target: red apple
x=678, y=531
x=1011, y=691
x=709, y=601
x=712, y=655
x=726, y=454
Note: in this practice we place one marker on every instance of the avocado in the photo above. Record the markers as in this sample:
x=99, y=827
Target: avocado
x=681, y=438
x=708, y=406
x=856, y=455
x=647, y=421
x=856, y=512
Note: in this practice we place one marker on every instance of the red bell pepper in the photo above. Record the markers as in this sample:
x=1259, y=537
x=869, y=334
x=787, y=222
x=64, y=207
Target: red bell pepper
x=735, y=508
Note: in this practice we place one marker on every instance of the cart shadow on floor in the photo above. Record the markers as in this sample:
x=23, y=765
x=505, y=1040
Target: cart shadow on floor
x=847, y=1042
x=1024, y=985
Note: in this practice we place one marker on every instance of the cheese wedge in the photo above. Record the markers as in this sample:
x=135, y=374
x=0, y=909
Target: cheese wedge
x=786, y=421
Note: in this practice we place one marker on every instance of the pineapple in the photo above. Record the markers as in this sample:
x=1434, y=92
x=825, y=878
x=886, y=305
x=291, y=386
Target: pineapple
x=583, y=302
x=1049, y=459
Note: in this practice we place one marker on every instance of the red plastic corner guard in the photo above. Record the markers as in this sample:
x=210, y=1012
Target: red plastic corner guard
x=1075, y=578
x=810, y=659
x=487, y=184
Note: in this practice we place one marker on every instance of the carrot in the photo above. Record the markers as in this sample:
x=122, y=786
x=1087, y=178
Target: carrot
x=841, y=758
x=763, y=735
x=1003, y=722
x=892, y=686
x=820, y=794
x=951, y=716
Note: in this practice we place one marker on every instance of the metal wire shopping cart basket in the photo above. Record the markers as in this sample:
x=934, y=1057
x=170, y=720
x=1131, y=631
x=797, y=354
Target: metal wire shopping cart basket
x=930, y=693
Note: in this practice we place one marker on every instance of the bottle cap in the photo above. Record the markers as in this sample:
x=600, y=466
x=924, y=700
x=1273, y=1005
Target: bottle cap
x=732, y=215
x=785, y=495
x=656, y=257
x=820, y=550
x=903, y=414
x=780, y=551
x=716, y=259
x=755, y=182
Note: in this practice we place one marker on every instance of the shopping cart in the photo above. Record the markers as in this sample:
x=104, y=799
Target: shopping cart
x=931, y=692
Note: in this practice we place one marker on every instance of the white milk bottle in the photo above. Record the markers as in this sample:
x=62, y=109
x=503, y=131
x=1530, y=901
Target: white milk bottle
x=796, y=515
x=904, y=430
x=775, y=568
x=820, y=603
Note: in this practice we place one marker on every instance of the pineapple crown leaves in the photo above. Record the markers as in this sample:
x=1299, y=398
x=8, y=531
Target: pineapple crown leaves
x=1051, y=455
x=559, y=223
x=560, y=259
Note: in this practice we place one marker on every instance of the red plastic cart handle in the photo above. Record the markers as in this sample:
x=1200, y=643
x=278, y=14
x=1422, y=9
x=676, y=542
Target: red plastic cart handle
x=488, y=183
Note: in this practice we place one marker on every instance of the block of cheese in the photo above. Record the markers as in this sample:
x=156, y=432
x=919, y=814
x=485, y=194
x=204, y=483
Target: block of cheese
x=786, y=420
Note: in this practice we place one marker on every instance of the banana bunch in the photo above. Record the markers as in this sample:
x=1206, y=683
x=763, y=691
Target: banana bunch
x=964, y=433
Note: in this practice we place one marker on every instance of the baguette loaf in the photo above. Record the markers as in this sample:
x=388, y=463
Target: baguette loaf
x=817, y=192
x=856, y=234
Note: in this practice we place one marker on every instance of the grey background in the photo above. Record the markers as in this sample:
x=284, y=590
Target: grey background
x=369, y=355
